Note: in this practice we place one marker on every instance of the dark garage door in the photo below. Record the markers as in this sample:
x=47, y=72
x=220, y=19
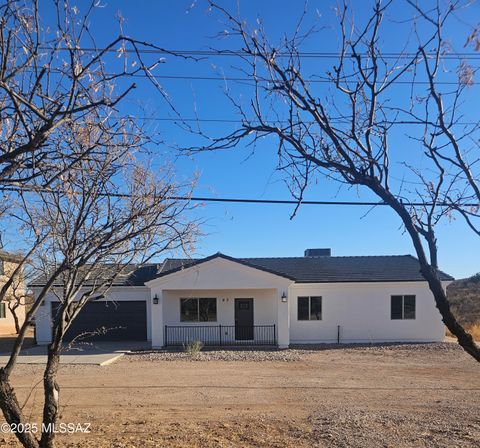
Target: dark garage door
x=122, y=321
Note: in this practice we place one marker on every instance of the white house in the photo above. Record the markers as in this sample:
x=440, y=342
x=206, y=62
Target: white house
x=221, y=300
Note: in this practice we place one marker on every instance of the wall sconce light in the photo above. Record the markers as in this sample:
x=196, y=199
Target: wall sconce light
x=155, y=300
x=284, y=297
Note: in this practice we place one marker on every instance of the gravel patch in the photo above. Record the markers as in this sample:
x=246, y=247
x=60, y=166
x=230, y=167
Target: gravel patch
x=385, y=347
x=219, y=355
x=357, y=428
x=296, y=353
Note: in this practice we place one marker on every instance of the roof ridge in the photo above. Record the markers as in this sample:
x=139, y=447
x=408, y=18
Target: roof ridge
x=297, y=257
x=327, y=256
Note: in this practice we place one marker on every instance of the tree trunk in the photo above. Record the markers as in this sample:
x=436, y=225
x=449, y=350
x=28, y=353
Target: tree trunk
x=15, y=319
x=12, y=411
x=429, y=272
x=52, y=394
x=464, y=338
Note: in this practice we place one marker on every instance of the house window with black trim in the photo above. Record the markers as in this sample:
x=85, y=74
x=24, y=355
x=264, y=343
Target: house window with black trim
x=309, y=308
x=198, y=309
x=402, y=307
x=3, y=311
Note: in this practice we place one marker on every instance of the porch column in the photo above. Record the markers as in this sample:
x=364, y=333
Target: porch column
x=283, y=320
x=157, y=320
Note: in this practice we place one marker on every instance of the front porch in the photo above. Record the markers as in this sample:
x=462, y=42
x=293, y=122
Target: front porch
x=221, y=335
x=220, y=302
x=220, y=317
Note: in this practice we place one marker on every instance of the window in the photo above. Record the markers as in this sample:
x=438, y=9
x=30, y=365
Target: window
x=309, y=308
x=202, y=309
x=402, y=307
x=3, y=313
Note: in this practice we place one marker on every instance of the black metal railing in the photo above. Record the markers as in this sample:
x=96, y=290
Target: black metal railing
x=220, y=335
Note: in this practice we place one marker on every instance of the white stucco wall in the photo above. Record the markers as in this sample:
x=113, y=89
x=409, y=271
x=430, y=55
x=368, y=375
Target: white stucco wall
x=363, y=312
x=225, y=280
x=131, y=293
x=264, y=305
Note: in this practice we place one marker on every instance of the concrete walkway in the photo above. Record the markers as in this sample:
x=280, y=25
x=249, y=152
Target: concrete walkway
x=100, y=354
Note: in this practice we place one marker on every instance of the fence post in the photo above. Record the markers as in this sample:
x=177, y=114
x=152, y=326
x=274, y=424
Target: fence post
x=220, y=333
x=274, y=334
x=338, y=334
x=165, y=336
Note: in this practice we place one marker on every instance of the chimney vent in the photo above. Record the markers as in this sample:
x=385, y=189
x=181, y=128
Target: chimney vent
x=318, y=252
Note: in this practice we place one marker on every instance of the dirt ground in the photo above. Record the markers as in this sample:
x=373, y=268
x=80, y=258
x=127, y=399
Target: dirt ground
x=7, y=341
x=353, y=397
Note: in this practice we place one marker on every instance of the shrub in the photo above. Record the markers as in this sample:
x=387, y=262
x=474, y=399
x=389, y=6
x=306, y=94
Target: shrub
x=473, y=329
x=193, y=347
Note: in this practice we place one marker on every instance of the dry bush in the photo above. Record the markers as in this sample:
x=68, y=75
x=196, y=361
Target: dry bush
x=473, y=329
x=193, y=348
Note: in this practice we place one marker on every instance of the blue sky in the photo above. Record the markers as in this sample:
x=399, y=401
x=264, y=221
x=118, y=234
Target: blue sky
x=265, y=230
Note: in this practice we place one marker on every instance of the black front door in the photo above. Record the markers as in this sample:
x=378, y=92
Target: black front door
x=243, y=319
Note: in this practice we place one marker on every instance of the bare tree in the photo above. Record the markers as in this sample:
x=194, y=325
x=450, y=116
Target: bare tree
x=84, y=204
x=343, y=131
x=53, y=73
x=103, y=215
x=17, y=299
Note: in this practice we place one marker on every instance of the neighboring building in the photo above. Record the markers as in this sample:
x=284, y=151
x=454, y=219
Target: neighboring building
x=15, y=296
x=222, y=300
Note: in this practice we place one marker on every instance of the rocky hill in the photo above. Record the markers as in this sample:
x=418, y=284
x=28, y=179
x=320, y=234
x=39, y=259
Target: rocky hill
x=464, y=297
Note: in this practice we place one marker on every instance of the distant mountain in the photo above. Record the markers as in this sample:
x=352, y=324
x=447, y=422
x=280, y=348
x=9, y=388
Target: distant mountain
x=464, y=298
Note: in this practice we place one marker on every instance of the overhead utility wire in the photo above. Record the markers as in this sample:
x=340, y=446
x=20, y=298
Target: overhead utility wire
x=238, y=121
x=255, y=201
x=242, y=53
x=253, y=80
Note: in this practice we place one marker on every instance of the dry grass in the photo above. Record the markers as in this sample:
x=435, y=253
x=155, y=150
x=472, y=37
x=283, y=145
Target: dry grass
x=193, y=348
x=473, y=329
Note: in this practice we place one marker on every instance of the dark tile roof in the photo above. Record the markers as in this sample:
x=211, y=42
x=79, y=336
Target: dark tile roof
x=323, y=269
x=389, y=268
x=132, y=275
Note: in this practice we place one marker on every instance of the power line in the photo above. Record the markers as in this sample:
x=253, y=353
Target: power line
x=237, y=121
x=254, y=201
x=242, y=53
x=304, y=202
x=252, y=80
